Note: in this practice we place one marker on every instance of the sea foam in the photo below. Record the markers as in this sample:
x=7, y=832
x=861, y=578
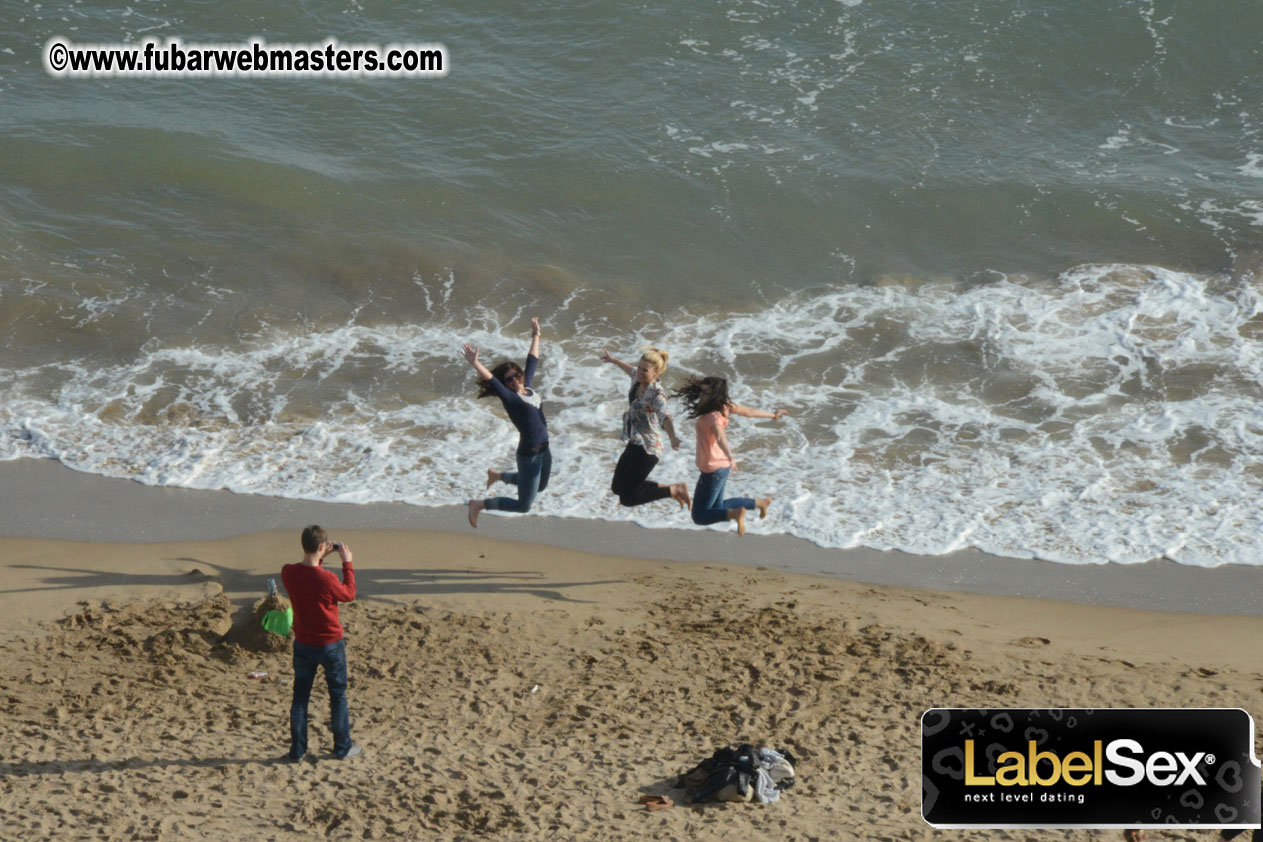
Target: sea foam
x=1110, y=414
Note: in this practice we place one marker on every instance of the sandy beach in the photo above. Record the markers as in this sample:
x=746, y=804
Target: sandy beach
x=521, y=689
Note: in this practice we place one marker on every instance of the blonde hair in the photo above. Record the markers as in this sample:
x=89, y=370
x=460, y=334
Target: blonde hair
x=656, y=358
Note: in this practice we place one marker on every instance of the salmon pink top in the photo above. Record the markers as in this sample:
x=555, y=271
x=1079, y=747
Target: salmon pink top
x=710, y=457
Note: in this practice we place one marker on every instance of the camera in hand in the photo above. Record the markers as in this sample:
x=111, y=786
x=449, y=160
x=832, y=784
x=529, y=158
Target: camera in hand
x=337, y=546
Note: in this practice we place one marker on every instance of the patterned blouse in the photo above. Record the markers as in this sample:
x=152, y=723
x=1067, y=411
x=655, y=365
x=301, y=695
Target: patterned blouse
x=642, y=422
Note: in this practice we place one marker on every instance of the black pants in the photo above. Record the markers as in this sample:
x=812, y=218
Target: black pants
x=630, y=483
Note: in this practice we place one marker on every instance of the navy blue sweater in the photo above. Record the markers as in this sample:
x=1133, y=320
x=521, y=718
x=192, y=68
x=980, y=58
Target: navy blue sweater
x=531, y=426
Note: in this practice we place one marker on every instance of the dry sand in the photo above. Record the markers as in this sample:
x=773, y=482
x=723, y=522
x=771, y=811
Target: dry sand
x=519, y=691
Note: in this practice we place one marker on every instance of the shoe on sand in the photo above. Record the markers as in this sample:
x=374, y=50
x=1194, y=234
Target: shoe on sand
x=354, y=750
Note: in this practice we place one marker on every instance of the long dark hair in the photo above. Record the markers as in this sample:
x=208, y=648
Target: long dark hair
x=704, y=394
x=501, y=371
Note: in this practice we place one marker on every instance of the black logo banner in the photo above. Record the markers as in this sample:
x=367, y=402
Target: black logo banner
x=1084, y=767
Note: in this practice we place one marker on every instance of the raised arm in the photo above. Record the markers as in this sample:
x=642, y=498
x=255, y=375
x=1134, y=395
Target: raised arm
x=534, y=349
x=348, y=574
x=471, y=356
x=749, y=412
x=607, y=357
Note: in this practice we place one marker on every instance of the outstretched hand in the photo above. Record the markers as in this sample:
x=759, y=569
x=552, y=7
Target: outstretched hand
x=534, y=326
x=606, y=357
x=471, y=353
x=778, y=414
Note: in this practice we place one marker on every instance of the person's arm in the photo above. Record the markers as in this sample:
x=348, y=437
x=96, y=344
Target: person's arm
x=471, y=356
x=749, y=412
x=344, y=591
x=658, y=404
x=669, y=426
x=532, y=356
x=722, y=438
x=534, y=349
x=628, y=368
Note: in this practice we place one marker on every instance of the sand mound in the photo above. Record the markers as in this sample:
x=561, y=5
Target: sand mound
x=250, y=635
x=160, y=632
x=172, y=633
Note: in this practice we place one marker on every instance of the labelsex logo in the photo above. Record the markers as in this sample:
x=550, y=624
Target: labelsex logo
x=1161, y=768
x=1089, y=767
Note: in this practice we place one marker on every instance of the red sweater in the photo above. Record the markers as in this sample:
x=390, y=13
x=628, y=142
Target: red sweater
x=315, y=594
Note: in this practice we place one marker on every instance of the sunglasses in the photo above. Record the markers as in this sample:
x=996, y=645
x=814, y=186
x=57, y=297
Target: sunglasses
x=509, y=378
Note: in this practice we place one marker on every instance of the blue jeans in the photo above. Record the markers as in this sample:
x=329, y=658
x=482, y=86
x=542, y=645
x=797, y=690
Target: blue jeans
x=708, y=503
x=331, y=656
x=531, y=477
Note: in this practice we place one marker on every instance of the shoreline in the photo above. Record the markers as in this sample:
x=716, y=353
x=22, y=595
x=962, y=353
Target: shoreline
x=47, y=500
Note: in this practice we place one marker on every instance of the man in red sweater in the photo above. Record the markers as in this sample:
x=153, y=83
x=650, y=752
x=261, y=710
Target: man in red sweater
x=318, y=639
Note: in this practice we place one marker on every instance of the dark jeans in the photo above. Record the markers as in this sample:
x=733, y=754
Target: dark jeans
x=630, y=477
x=332, y=657
x=708, y=503
x=531, y=477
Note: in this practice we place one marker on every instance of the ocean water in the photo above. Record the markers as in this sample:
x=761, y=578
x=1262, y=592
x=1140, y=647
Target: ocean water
x=1000, y=261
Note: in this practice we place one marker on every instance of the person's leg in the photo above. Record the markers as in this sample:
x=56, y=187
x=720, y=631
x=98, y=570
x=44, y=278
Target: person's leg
x=623, y=480
x=736, y=507
x=631, y=482
x=305, y=663
x=334, y=661
x=527, y=476
x=707, y=496
x=545, y=469
x=710, y=506
x=476, y=506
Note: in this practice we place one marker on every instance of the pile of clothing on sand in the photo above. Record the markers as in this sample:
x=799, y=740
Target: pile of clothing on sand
x=740, y=773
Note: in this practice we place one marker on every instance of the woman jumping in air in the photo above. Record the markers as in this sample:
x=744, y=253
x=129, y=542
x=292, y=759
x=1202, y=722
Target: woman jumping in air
x=643, y=422
x=534, y=463
x=707, y=401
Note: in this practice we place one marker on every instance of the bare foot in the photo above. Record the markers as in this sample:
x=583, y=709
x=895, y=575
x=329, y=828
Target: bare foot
x=475, y=506
x=680, y=494
x=739, y=515
x=493, y=477
x=761, y=504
